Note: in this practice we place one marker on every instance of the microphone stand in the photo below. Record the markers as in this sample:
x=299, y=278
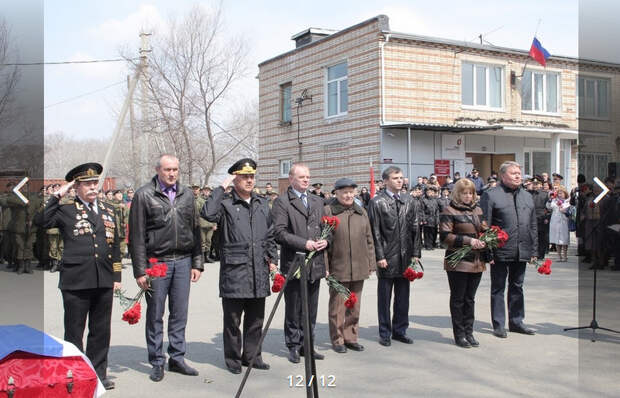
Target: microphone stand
x=593, y=324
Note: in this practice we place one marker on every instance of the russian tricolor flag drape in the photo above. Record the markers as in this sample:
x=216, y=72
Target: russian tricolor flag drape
x=372, y=181
x=538, y=52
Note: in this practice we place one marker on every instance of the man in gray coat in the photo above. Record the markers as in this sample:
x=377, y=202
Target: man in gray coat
x=510, y=207
x=297, y=222
x=248, y=253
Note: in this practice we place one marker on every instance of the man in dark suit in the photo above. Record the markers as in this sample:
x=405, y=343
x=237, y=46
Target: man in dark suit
x=163, y=224
x=510, y=207
x=394, y=219
x=297, y=224
x=91, y=264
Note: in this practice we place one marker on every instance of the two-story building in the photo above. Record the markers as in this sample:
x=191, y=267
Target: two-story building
x=342, y=100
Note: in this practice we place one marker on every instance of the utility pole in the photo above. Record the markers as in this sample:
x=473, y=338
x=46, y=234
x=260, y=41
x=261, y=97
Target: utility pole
x=121, y=119
x=132, y=129
x=144, y=141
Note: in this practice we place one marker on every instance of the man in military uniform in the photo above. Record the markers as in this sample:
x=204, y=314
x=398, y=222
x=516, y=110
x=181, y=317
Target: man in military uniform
x=91, y=263
x=54, y=238
x=22, y=228
x=317, y=190
x=121, y=214
x=6, y=245
x=248, y=254
x=206, y=227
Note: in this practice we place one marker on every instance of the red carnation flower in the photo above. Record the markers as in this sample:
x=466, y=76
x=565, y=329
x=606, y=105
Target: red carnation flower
x=419, y=274
x=410, y=274
x=132, y=315
x=153, y=260
x=350, y=302
x=278, y=283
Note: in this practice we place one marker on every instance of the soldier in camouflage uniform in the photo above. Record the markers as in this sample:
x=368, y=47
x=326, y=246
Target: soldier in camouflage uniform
x=121, y=213
x=22, y=228
x=56, y=243
x=206, y=227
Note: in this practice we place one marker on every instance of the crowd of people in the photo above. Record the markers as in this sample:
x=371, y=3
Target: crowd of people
x=256, y=234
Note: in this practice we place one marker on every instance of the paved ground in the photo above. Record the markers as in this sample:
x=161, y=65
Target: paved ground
x=553, y=363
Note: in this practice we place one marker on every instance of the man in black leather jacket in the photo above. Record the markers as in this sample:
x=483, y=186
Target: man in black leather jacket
x=163, y=225
x=510, y=207
x=396, y=234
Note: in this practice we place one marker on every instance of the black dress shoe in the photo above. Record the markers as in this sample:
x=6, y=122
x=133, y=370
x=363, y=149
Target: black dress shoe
x=522, y=329
x=339, y=348
x=315, y=354
x=234, y=369
x=258, y=364
x=107, y=384
x=403, y=339
x=385, y=341
x=157, y=374
x=462, y=342
x=293, y=355
x=354, y=346
x=181, y=367
x=470, y=338
x=500, y=332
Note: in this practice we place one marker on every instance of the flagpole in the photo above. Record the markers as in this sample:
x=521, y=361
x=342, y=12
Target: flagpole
x=528, y=57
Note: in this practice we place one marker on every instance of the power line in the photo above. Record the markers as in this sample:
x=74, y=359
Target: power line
x=70, y=62
x=85, y=94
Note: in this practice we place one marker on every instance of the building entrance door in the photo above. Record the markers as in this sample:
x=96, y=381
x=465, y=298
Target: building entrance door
x=486, y=162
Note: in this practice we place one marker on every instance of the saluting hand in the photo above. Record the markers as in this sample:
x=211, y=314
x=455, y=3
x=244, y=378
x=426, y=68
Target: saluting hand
x=62, y=191
x=229, y=179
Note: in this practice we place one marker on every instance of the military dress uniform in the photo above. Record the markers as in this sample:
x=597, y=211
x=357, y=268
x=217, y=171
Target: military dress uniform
x=90, y=265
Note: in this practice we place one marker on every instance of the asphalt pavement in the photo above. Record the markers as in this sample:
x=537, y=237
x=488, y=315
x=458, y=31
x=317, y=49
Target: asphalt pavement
x=553, y=363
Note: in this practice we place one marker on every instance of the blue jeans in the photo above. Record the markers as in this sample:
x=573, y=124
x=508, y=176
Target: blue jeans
x=174, y=285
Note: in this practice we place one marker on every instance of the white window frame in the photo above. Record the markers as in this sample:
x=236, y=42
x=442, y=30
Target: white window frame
x=609, y=107
x=285, y=166
x=502, y=84
x=283, y=103
x=544, y=103
x=529, y=152
x=339, y=112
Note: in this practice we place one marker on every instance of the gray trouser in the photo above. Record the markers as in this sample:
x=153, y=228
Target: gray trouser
x=175, y=286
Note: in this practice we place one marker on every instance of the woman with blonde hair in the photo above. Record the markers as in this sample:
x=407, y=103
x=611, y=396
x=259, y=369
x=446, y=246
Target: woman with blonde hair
x=460, y=224
x=558, y=225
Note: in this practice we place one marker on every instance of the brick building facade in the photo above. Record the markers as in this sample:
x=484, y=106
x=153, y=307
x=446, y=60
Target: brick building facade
x=342, y=100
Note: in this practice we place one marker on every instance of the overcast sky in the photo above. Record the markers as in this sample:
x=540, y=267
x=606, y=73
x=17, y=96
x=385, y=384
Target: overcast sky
x=97, y=30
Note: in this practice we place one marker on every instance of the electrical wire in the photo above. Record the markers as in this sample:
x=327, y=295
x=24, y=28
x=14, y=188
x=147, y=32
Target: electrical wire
x=85, y=94
x=69, y=62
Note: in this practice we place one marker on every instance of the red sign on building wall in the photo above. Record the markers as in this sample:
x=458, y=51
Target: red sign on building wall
x=442, y=167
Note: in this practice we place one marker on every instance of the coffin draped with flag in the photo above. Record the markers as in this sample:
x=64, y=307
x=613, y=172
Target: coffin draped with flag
x=35, y=364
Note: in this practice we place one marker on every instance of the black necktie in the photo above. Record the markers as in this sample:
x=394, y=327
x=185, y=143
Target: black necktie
x=397, y=201
x=91, y=207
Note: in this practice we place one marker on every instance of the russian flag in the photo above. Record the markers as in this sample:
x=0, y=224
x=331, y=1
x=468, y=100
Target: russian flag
x=538, y=52
x=34, y=363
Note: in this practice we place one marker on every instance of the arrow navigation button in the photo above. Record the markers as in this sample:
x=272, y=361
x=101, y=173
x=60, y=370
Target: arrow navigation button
x=18, y=187
x=603, y=187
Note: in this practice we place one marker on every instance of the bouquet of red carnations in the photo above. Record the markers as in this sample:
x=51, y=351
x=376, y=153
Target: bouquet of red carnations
x=493, y=237
x=544, y=268
x=349, y=296
x=278, y=280
x=414, y=272
x=131, y=306
x=329, y=224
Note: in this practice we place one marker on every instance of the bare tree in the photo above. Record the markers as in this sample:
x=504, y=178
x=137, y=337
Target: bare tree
x=191, y=70
x=9, y=76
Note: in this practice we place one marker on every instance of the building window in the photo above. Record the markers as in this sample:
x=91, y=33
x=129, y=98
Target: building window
x=540, y=91
x=285, y=102
x=594, y=98
x=337, y=90
x=482, y=85
x=593, y=164
x=285, y=167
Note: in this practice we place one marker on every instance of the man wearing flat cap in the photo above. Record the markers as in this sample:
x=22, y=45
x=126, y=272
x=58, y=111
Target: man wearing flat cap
x=247, y=254
x=91, y=264
x=163, y=225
